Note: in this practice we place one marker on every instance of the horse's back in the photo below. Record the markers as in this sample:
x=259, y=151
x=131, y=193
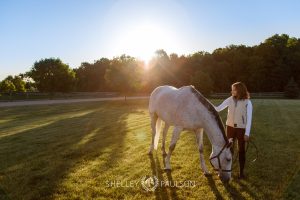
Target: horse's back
x=164, y=101
x=161, y=95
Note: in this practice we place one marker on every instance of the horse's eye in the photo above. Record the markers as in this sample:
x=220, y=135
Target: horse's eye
x=228, y=160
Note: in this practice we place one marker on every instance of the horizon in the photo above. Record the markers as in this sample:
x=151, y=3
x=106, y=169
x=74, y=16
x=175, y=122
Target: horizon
x=79, y=32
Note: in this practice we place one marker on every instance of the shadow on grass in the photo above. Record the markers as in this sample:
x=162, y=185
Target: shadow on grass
x=214, y=188
x=161, y=191
x=3, y=195
x=293, y=189
x=173, y=189
x=244, y=187
x=236, y=194
x=35, y=116
x=35, y=162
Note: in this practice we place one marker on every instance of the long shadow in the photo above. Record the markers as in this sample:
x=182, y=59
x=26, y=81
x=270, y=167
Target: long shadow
x=235, y=194
x=117, y=138
x=250, y=192
x=214, y=188
x=173, y=188
x=171, y=181
x=30, y=151
x=37, y=160
x=161, y=191
x=3, y=195
x=28, y=115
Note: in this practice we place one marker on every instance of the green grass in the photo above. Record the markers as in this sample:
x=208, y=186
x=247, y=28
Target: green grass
x=72, y=151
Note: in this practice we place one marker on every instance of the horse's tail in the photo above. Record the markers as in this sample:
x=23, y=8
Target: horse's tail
x=157, y=133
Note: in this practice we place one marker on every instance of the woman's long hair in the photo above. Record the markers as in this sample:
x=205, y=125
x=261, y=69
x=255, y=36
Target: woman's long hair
x=242, y=92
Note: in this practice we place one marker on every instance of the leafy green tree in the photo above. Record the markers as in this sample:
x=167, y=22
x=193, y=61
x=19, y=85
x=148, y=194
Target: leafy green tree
x=14, y=84
x=7, y=86
x=52, y=75
x=266, y=67
x=292, y=89
x=90, y=77
x=202, y=82
x=274, y=52
x=30, y=85
x=19, y=83
x=160, y=71
x=124, y=75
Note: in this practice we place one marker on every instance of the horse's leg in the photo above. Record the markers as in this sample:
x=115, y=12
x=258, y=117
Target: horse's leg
x=165, y=131
x=153, y=117
x=175, y=137
x=199, y=137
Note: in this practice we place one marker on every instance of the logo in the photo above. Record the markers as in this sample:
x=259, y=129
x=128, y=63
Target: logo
x=149, y=183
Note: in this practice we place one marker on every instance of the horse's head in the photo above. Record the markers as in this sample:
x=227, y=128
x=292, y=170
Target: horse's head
x=221, y=160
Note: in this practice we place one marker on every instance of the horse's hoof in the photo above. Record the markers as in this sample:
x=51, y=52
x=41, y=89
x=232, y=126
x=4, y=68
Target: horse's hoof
x=150, y=153
x=167, y=168
x=207, y=174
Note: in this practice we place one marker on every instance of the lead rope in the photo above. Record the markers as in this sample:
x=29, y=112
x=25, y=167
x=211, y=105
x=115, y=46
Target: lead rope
x=247, y=143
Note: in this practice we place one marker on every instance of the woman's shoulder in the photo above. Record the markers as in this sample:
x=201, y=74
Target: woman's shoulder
x=229, y=98
x=248, y=101
x=245, y=100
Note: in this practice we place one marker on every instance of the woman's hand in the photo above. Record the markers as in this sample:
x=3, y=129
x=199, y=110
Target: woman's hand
x=246, y=138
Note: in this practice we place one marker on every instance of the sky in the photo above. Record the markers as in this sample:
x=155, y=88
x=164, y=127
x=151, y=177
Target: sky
x=86, y=30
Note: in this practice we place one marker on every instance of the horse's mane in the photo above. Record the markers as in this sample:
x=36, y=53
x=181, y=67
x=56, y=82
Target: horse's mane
x=211, y=109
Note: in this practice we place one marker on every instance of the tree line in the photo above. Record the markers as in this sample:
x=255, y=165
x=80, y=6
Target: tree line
x=267, y=67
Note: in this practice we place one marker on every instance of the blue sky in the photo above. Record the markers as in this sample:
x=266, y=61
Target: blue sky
x=78, y=31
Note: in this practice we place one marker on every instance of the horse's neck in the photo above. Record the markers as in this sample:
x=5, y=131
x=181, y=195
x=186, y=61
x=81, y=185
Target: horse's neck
x=214, y=134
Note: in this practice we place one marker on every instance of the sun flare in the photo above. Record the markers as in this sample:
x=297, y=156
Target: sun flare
x=142, y=41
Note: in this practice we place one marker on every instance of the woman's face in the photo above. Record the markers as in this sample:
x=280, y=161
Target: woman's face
x=233, y=91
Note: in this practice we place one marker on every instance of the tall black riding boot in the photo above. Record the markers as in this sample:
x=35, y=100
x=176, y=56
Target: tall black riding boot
x=242, y=164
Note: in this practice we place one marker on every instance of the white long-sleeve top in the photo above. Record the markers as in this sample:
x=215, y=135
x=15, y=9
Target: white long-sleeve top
x=225, y=104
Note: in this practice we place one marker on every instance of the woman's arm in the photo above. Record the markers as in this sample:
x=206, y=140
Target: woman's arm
x=223, y=105
x=249, y=118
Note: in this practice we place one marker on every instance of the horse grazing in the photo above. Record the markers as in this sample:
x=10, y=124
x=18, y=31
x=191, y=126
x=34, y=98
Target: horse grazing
x=187, y=109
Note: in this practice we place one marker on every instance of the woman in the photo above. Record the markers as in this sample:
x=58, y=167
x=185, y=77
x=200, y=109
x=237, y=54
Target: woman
x=239, y=119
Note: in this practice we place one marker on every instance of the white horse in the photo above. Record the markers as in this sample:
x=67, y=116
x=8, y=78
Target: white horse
x=187, y=109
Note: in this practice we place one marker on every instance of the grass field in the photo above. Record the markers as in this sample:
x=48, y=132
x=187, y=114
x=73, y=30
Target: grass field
x=73, y=151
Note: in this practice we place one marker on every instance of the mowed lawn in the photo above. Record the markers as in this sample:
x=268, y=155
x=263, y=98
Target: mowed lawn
x=76, y=151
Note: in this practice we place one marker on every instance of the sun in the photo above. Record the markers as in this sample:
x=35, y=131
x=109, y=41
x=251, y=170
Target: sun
x=143, y=40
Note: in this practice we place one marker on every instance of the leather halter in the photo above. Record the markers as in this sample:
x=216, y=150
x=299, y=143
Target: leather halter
x=219, y=162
